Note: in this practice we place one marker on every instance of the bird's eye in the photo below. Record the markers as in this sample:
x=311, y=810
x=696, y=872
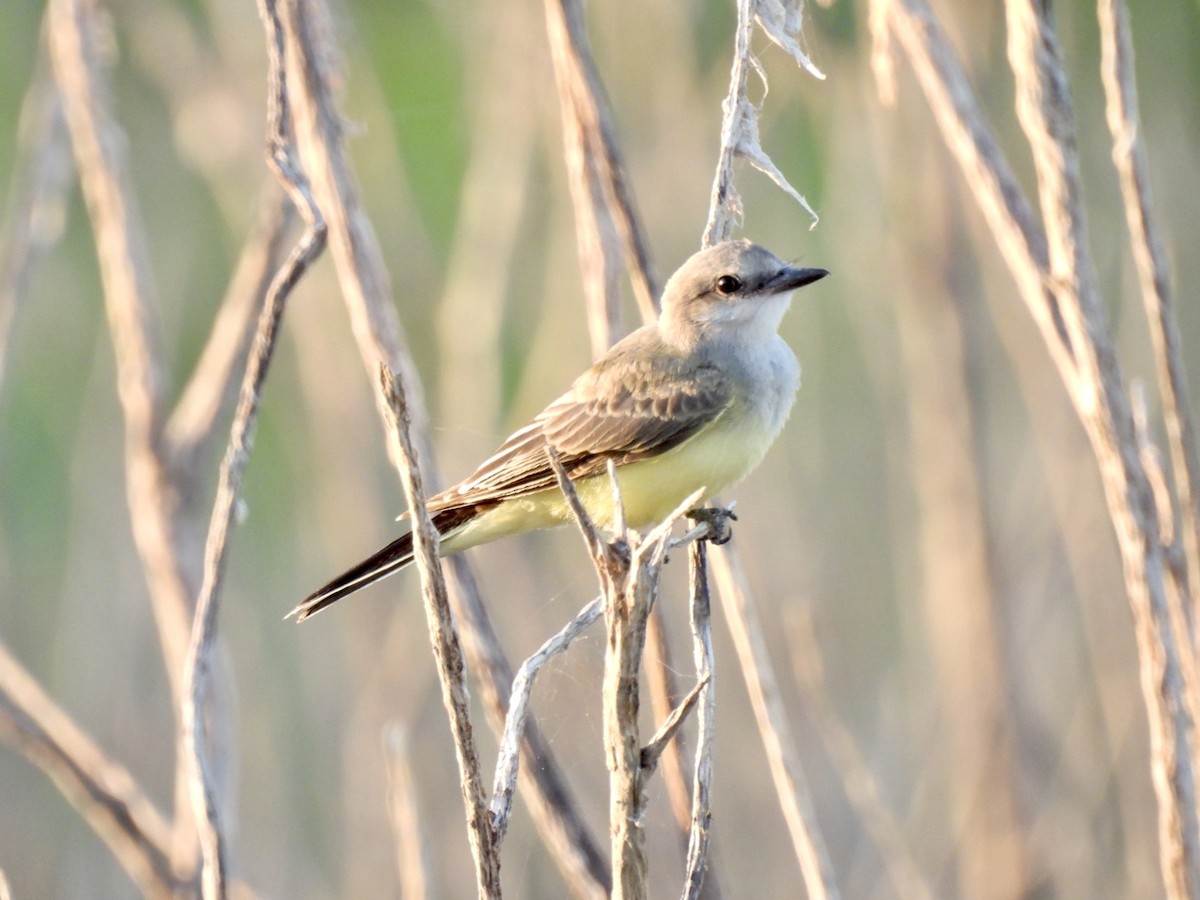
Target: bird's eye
x=727, y=284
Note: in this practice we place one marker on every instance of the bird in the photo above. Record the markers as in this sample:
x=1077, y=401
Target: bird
x=692, y=401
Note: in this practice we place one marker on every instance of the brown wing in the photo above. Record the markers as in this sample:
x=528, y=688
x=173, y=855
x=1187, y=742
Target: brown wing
x=641, y=399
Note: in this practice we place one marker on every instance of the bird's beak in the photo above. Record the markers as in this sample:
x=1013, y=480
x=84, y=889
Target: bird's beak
x=788, y=279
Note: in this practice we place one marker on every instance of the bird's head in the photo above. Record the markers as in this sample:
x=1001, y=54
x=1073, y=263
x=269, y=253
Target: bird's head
x=732, y=288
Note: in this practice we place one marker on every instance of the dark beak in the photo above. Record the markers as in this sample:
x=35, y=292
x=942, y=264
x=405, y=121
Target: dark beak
x=788, y=279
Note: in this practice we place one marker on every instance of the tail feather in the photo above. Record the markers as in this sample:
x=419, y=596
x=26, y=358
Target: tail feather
x=392, y=558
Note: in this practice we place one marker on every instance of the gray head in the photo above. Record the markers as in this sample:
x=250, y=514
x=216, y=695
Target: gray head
x=735, y=286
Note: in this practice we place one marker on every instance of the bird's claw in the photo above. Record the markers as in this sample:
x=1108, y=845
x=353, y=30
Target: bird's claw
x=717, y=518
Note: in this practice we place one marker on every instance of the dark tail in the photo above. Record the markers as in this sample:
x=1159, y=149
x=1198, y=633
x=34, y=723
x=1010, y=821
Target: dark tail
x=392, y=558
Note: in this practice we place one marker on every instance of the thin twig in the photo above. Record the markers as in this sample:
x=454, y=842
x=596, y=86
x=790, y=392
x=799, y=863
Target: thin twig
x=628, y=570
x=197, y=674
x=658, y=540
x=1129, y=156
x=739, y=125
x=598, y=546
x=603, y=202
x=37, y=189
x=1012, y=221
x=366, y=289
x=412, y=851
x=172, y=575
x=102, y=791
x=124, y=268
x=354, y=246
x=628, y=595
x=782, y=757
x=664, y=697
x=444, y=637
x=120, y=236
x=1057, y=281
x=654, y=748
x=552, y=806
x=725, y=205
x=508, y=755
x=859, y=781
x=1044, y=110
x=212, y=388
x=699, y=835
x=739, y=136
x=1176, y=598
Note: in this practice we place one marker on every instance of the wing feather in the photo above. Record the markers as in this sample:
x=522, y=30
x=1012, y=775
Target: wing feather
x=643, y=398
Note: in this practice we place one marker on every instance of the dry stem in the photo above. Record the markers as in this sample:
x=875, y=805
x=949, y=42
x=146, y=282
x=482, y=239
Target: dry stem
x=193, y=703
x=125, y=270
x=739, y=126
x=628, y=568
x=444, y=638
x=1055, y=274
x=699, y=834
x=412, y=851
x=859, y=781
x=1129, y=156
x=211, y=390
x=602, y=201
x=103, y=168
x=366, y=289
x=508, y=757
x=40, y=179
x=739, y=137
x=655, y=747
x=1097, y=390
x=627, y=599
x=102, y=791
x=782, y=757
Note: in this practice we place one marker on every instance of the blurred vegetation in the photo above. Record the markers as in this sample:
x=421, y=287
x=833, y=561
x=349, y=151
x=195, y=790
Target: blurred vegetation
x=454, y=105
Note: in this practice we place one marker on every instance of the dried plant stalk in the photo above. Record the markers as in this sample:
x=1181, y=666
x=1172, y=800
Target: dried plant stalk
x=605, y=215
x=627, y=601
x=412, y=851
x=103, y=792
x=791, y=786
x=444, y=637
x=1097, y=390
x=1055, y=273
x=128, y=292
x=98, y=144
x=365, y=284
x=625, y=617
x=40, y=179
x=193, y=703
x=212, y=389
x=699, y=835
x=509, y=756
x=860, y=783
x=628, y=568
x=1129, y=156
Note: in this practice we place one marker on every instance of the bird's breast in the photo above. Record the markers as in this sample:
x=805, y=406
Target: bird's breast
x=769, y=377
x=725, y=452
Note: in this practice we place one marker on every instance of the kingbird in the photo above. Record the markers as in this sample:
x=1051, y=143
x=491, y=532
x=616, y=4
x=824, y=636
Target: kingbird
x=692, y=401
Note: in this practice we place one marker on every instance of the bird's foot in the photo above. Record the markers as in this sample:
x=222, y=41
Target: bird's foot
x=717, y=518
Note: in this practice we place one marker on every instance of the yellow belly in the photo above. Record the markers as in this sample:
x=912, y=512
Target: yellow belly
x=651, y=489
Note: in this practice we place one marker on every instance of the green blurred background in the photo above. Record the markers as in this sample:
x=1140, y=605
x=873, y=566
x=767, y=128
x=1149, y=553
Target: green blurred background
x=1002, y=720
